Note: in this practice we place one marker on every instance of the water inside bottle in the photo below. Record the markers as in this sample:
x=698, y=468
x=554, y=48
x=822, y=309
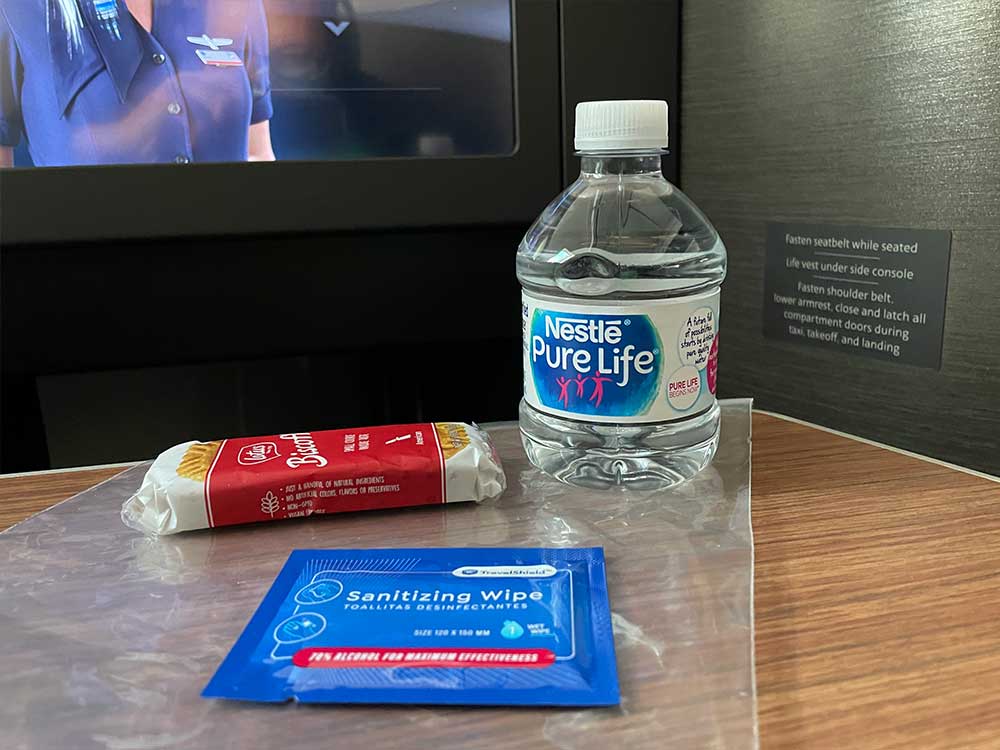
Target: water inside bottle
x=620, y=240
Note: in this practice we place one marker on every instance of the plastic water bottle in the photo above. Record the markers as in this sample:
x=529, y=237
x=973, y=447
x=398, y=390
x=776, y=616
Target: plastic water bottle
x=620, y=281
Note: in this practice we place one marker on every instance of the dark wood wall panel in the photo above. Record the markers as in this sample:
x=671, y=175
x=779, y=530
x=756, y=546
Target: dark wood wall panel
x=857, y=112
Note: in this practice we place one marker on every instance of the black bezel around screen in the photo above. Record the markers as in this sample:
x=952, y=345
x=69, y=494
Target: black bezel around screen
x=69, y=204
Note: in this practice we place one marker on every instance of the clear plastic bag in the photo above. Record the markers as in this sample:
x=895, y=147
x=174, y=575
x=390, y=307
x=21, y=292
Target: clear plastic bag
x=110, y=636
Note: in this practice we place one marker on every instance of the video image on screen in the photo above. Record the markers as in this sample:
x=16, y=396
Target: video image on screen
x=104, y=82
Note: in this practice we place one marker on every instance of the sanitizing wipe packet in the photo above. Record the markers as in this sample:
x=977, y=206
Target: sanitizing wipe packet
x=460, y=626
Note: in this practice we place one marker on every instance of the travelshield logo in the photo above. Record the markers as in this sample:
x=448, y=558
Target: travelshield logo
x=505, y=571
x=607, y=365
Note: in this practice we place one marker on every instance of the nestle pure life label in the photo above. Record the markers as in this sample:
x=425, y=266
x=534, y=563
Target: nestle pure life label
x=627, y=361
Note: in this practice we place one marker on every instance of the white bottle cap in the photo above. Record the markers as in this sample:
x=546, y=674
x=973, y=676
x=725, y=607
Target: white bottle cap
x=621, y=125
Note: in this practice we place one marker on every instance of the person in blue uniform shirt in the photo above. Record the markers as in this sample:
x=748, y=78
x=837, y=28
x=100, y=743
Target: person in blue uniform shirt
x=134, y=81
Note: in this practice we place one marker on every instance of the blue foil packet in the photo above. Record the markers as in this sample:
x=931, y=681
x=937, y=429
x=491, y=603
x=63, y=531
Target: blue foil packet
x=472, y=626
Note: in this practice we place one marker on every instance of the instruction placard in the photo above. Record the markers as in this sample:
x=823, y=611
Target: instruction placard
x=872, y=291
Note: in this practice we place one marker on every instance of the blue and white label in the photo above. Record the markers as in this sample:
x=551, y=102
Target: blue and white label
x=632, y=362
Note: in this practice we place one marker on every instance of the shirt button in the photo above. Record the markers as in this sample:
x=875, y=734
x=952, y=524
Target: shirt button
x=159, y=58
x=174, y=108
x=182, y=159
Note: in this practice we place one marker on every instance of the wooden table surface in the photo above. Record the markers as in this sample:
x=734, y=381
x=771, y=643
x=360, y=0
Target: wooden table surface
x=877, y=591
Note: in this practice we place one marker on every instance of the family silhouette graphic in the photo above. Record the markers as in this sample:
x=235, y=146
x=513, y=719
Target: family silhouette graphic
x=596, y=395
